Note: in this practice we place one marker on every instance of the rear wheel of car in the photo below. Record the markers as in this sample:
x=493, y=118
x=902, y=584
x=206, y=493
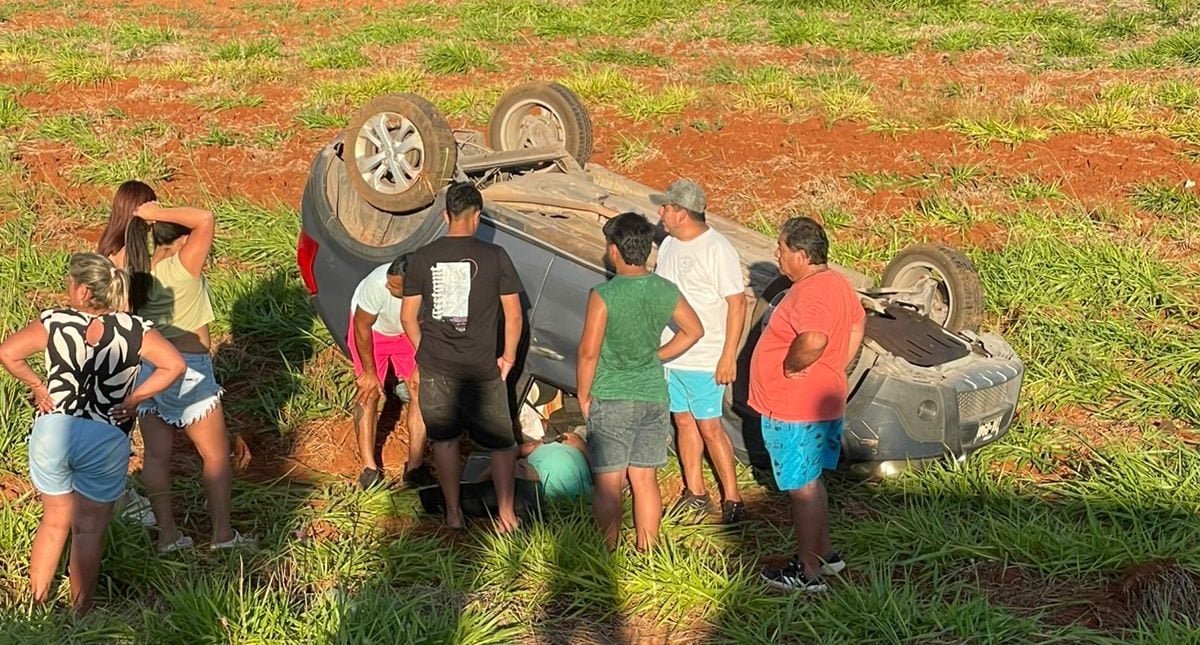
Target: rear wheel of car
x=958, y=300
x=399, y=152
x=538, y=114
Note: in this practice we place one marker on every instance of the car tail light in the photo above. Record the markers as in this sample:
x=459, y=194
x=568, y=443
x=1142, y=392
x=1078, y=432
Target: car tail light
x=306, y=257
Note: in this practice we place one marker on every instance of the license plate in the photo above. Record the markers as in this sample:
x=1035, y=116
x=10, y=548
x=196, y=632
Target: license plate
x=988, y=428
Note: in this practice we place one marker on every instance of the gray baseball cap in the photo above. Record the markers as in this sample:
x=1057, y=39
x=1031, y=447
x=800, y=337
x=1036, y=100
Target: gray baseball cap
x=682, y=192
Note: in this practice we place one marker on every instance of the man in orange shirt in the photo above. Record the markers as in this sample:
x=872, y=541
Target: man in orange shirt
x=798, y=385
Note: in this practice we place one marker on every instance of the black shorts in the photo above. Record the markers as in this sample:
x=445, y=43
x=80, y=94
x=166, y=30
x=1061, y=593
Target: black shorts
x=450, y=405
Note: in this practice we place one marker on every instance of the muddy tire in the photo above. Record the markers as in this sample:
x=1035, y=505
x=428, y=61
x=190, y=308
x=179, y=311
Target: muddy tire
x=541, y=113
x=399, y=152
x=959, y=299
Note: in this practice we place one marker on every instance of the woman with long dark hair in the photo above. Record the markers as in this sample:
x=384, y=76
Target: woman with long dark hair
x=79, y=446
x=167, y=286
x=128, y=197
x=111, y=244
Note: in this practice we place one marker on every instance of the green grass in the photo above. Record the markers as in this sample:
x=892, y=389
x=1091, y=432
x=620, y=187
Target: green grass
x=79, y=69
x=473, y=104
x=77, y=130
x=626, y=57
x=846, y=105
x=218, y=137
x=1178, y=95
x=1028, y=189
x=1120, y=24
x=1179, y=48
x=136, y=39
x=1164, y=199
x=1070, y=42
x=144, y=164
x=248, y=50
x=458, y=58
x=219, y=102
x=983, y=132
x=669, y=101
x=604, y=84
x=12, y=113
x=334, y=56
x=633, y=151
x=392, y=28
x=270, y=137
x=353, y=93
x=1103, y=117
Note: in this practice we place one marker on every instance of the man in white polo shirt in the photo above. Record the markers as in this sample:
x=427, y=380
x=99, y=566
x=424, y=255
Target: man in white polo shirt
x=376, y=340
x=706, y=268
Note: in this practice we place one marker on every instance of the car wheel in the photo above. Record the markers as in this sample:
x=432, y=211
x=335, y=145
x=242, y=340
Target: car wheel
x=958, y=300
x=399, y=152
x=538, y=114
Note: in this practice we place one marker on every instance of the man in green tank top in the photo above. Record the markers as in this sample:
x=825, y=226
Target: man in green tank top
x=620, y=383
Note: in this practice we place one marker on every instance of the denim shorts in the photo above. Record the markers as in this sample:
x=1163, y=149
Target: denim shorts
x=450, y=405
x=623, y=433
x=73, y=454
x=801, y=449
x=695, y=392
x=188, y=399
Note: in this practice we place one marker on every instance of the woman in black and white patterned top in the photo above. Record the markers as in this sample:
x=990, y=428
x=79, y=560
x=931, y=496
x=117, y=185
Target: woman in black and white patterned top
x=79, y=447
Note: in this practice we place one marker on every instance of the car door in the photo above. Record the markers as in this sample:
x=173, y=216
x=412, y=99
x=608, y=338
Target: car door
x=558, y=321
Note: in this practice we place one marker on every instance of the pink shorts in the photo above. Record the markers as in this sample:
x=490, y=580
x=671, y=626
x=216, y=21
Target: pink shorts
x=388, y=349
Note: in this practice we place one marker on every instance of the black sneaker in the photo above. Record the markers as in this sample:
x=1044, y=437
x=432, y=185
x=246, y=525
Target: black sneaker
x=833, y=564
x=692, y=504
x=419, y=477
x=732, y=512
x=370, y=477
x=792, y=578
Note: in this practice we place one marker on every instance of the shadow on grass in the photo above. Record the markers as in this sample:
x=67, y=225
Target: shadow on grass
x=952, y=556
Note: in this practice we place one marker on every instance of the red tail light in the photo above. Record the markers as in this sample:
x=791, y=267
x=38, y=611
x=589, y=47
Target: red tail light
x=306, y=256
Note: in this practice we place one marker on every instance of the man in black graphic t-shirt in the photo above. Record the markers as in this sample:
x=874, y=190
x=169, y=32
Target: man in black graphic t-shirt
x=454, y=289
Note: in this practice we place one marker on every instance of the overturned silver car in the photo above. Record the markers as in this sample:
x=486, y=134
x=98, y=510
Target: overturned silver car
x=925, y=385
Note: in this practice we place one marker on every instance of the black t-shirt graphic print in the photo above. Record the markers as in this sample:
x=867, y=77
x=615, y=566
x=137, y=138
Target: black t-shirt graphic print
x=460, y=281
x=89, y=380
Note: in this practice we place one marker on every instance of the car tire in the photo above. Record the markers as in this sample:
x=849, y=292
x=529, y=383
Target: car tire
x=959, y=287
x=399, y=152
x=541, y=113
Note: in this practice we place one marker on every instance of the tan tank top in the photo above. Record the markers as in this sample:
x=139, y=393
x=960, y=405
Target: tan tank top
x=178, y=301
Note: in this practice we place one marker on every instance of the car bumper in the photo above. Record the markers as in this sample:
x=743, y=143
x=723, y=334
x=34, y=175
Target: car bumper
x=897, y=419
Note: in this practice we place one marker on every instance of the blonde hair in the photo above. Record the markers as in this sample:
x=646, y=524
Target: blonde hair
x=108, y=284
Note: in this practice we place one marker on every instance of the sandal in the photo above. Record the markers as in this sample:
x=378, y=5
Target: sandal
x=181, y=543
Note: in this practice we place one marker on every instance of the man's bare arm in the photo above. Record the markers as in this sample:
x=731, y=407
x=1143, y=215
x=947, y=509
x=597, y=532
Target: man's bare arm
x=735, y=321
x=410, y=310
x=590, y=342
x=805, y=349
x=856, y=337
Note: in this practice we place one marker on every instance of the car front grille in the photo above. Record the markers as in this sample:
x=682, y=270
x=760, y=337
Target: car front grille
x=974, y=404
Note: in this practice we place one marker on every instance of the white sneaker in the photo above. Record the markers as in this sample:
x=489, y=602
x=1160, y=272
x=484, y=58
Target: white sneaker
x=181, y=543
x=238, y=541
x=137, y=508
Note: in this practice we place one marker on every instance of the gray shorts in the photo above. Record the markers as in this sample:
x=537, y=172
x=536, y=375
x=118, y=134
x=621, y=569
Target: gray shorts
x=628, y=433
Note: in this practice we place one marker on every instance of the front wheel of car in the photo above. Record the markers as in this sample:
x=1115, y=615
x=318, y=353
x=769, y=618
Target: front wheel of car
x=399, y=152
x=958, y=295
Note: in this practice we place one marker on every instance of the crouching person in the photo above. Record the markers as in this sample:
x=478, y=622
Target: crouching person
x=377, y=342
x=620, y=382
